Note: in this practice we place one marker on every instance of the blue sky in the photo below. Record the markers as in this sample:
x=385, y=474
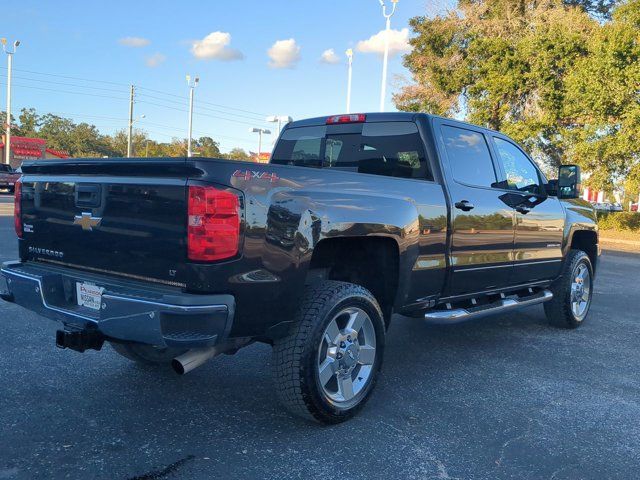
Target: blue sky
x=151, y=44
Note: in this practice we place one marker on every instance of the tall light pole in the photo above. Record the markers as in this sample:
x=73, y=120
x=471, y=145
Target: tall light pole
x=7, y=144
x=279, y=119
x=260, y=131
x=192, y=86
x=349, y=54
x=385, y=61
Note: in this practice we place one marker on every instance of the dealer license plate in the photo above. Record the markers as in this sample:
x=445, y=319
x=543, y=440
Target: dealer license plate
x=89, y=295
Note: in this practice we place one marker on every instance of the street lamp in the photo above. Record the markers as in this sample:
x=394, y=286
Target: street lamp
x=383, y=89
x=259, y=131
x=279, y=119
x=192, y=86
x=7, y=145
x=349, y=54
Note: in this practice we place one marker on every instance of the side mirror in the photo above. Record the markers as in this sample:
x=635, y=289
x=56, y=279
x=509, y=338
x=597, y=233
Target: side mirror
x=569, y=181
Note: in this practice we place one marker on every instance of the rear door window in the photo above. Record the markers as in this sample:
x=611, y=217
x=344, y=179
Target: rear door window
x=392, y=149
x=469, y=156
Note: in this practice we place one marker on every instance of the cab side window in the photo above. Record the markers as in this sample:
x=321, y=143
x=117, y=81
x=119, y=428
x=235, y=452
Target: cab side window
x=469, y=156
x=521, y=174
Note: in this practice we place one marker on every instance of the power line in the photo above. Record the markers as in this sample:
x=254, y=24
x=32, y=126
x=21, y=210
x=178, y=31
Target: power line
x=139, y=101
x=70, y=77
x=67, y=76
x=197, y=113
x=198, y=102
x=67, y=91
x=205, y=102
x=67, y=84
x=195, y=131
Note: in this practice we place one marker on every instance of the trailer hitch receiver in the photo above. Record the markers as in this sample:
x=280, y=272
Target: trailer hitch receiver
x=79, y=340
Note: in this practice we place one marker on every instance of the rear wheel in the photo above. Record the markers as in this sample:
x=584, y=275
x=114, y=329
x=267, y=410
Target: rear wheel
x=326, y=369
x=147, y=354
x=572, y=292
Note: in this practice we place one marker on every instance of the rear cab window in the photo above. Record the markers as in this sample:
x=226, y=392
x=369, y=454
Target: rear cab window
x=392, y=149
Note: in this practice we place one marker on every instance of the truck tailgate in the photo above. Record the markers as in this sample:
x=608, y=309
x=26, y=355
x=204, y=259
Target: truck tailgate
x=122, y=217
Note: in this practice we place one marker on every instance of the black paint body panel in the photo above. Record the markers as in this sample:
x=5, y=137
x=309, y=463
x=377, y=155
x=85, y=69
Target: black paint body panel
x=286, y=213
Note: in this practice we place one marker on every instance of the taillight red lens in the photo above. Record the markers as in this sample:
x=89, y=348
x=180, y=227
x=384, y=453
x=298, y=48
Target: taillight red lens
x=351, y=118
x=213, y=231
x=17, y=209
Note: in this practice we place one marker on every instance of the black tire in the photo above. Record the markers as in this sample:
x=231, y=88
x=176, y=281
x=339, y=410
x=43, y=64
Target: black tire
x=147, y=354
x=559, y=311
x=295, y=357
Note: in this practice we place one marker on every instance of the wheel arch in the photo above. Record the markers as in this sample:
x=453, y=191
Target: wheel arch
x=586, y=241
x=370, y=261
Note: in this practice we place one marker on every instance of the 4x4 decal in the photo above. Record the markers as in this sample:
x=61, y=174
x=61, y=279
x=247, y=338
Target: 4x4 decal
x=251, y=174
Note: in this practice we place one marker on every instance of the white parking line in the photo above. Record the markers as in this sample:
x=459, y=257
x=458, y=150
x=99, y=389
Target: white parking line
x=6, y=210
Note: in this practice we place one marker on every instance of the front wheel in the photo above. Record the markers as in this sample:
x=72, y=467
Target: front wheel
x=326, y=368
x=572, y=292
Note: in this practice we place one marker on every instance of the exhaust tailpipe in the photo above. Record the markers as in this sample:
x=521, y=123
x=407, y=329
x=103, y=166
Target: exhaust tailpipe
x=193, y=359
x=197, y=356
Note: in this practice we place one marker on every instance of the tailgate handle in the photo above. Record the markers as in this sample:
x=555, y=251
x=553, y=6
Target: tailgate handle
x=88, y=195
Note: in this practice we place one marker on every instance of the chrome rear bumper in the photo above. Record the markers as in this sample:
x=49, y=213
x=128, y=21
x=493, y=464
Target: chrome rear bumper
x=130, y=311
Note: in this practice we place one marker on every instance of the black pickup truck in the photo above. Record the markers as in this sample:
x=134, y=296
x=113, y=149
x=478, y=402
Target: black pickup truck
x=357, y=217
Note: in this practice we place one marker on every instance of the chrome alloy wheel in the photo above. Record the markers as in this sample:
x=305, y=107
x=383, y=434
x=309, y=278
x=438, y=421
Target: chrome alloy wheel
x=346, y=355
x=580, y=291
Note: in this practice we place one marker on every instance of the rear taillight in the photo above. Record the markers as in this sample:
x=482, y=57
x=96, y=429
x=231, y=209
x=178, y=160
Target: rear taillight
x=350, y=118
x=213, y=231
x=17, y=209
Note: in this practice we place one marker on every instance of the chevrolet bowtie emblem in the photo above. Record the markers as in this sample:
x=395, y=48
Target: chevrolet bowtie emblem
x=87, y=221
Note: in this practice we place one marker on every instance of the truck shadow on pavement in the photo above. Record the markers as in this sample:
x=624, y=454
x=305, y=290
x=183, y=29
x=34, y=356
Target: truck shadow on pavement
x=123, y=419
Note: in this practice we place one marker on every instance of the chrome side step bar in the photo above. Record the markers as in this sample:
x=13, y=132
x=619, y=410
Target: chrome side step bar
x=458, y=315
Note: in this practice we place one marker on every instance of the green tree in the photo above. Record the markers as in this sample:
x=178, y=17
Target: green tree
x=207, y=147
x=500, y=63
x=548, y=74
x=238, y=154
x=30, y=122
x=604, y=99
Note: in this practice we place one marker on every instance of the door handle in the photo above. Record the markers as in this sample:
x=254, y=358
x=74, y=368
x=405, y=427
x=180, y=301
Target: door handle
x=464, y=205
x=523, y=210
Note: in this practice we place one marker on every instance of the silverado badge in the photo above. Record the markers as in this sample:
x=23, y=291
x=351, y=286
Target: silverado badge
x=87, y=221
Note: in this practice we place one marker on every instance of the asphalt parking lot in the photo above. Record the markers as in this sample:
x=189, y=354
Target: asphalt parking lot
x=503, y=398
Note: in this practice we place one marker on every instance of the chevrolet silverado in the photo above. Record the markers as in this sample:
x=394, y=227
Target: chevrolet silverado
x=355, y=218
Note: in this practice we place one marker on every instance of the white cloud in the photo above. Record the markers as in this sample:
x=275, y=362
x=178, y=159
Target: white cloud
x=135, y=42
x=329, y=56
x=155, y=60
x=398, y=42
x=215, y=46
x=284, y=54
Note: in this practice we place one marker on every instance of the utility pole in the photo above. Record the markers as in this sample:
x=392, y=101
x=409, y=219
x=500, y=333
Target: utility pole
x=130, y=132
x=385, y=61
x=192, y=87
x=349, y=54
x=7, y=144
